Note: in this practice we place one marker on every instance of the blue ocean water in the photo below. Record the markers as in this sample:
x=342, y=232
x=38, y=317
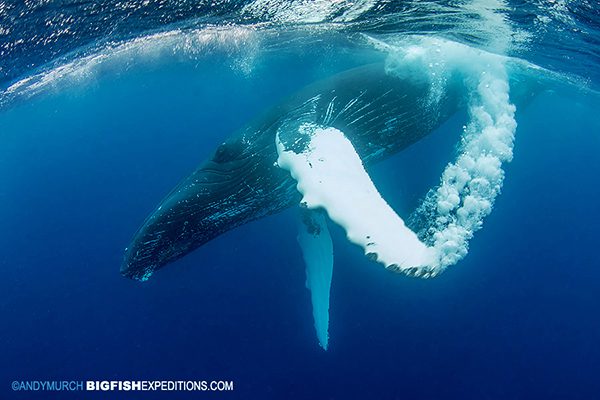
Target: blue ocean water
x=88, y=154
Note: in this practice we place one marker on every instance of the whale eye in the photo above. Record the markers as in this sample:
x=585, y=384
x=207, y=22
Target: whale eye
x=227, y=152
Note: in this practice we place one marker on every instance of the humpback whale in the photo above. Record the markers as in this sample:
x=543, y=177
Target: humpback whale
x=312, y=150
x=381, y=114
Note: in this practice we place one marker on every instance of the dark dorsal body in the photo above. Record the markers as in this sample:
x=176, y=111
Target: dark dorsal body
x=381, y=114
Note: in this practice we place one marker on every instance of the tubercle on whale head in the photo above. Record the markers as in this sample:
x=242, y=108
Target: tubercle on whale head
x=141, y=276
x=150, y=248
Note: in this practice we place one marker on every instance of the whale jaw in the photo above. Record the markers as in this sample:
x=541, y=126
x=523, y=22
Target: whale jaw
x=219, y=196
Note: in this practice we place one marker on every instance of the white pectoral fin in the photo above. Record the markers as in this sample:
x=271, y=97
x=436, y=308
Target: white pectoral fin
x=330, y=175
x=317, y=249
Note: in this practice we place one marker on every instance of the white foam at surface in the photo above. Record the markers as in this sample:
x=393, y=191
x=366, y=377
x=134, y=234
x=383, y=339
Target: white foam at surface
x=317, y=251
x=330, y=175
x=491, y=23
x=308, y=11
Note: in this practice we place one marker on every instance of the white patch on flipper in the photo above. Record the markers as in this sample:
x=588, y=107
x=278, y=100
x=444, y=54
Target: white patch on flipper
x=317, y=250
x=330, y=175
